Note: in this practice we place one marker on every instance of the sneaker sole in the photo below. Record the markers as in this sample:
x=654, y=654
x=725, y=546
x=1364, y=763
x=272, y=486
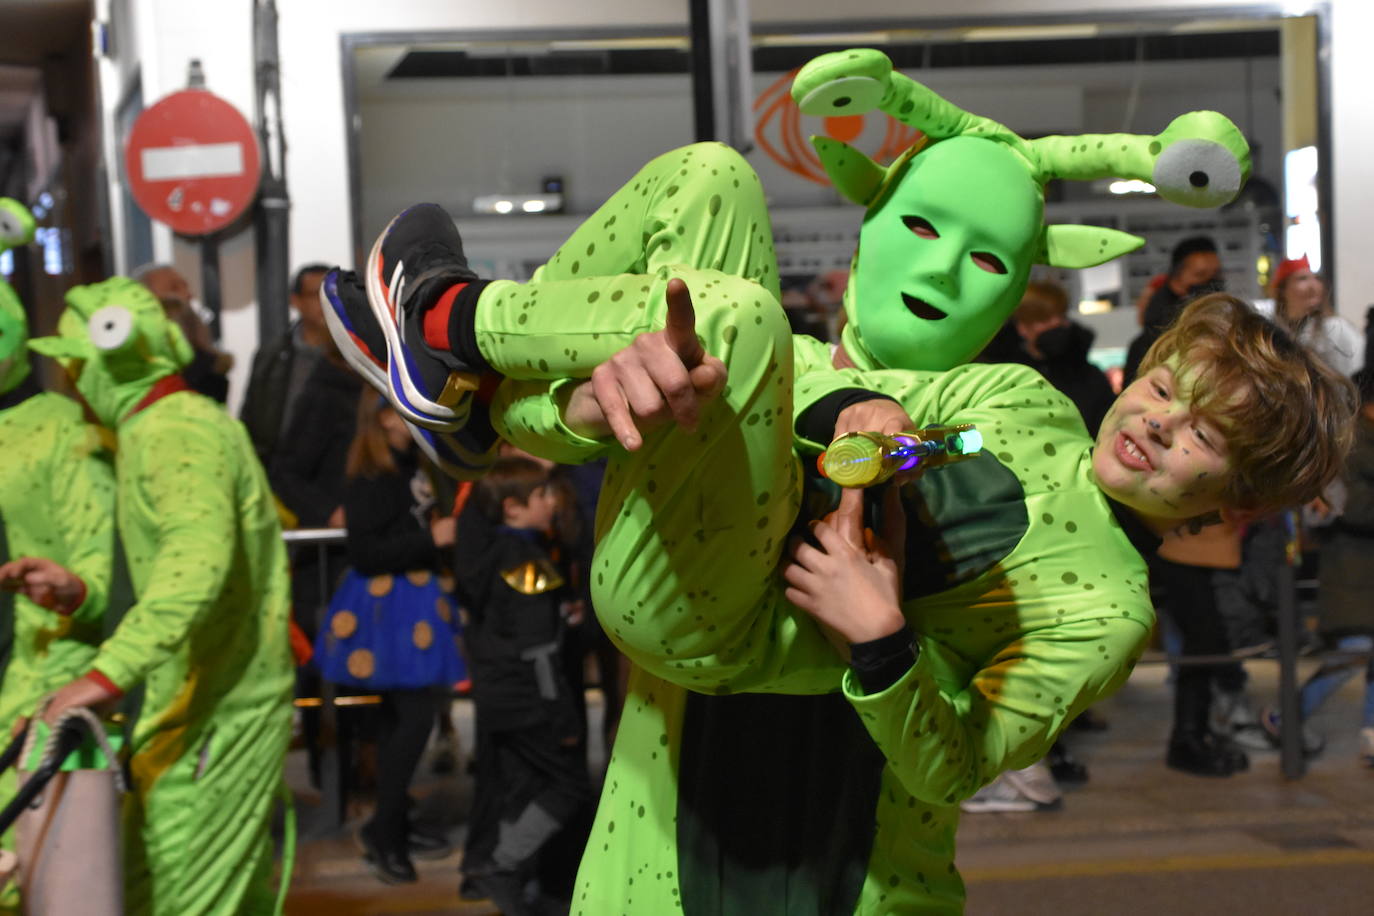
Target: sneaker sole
x=412, y=403
x=449, y=455
x=368, y=366
x=442, y=449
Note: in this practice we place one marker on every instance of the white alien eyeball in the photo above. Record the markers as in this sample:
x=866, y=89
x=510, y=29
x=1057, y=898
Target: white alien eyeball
x=1197, y=173
x=110, y=327
x=10, y=226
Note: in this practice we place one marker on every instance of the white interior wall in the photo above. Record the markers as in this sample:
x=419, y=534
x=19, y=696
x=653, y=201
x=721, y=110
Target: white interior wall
x=171, y=31
x=470, y=136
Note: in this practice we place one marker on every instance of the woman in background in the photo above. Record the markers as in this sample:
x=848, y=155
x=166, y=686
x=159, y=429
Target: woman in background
x=391, y=626
x=1302, y=305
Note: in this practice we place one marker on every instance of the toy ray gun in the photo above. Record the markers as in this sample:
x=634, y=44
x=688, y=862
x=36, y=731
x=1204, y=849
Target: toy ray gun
x=866, y=459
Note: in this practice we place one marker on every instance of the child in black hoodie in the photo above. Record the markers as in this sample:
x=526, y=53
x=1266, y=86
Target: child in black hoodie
x=531, y=773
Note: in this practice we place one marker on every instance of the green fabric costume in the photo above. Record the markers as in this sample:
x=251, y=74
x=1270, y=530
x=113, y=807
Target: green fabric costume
x=1019, y=628
x=1028, y=601
x=208, y=634
x=56, y=501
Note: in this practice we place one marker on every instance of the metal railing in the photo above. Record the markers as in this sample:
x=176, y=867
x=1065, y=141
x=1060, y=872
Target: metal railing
x=1293, y=762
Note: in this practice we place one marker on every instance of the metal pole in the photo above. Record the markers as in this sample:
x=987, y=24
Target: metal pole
x=703, y=91
x=333, y=779
x=271, y=217
x=209, y=280
x=1293, y=763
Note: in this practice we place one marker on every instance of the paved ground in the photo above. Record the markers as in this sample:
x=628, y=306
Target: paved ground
x=1137, y=839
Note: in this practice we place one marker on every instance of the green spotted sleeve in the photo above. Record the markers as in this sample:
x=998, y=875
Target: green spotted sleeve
x=83, y=510
x=1028, y=601
x=529, y=415
x=946, y=743
x=176, y=473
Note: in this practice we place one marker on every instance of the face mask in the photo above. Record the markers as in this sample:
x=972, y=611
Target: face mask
x=1214, y=285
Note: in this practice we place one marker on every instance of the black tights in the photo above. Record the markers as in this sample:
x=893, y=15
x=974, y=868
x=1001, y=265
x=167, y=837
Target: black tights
x=1190, y=592
x=407, y=716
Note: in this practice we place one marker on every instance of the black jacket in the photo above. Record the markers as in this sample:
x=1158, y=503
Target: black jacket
x=512, y=635
x=388, y=520
x=1064, y=364
x=264, y=403
x=307, y=469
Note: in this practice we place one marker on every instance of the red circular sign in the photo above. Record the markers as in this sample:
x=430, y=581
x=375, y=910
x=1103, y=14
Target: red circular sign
x=193, y=162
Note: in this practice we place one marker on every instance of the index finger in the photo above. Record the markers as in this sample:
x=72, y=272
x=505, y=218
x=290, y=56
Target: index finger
x=848, y=518
x=680, y=330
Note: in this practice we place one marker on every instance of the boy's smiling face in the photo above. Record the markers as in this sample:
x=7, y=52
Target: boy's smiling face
x=1156, y=454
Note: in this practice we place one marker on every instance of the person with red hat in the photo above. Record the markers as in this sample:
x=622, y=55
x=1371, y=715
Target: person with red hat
x=1302, y=306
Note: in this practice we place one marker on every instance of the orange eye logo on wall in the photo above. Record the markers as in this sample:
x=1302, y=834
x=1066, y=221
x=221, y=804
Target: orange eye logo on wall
x=778, y=132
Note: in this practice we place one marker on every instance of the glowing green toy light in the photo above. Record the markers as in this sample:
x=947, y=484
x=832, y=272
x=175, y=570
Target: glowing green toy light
x=865, y=459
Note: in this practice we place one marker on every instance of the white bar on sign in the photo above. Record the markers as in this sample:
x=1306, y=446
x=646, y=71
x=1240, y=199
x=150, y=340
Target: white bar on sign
x=202, y=160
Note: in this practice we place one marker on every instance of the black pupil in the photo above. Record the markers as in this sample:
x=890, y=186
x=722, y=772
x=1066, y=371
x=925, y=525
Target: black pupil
x=842, y=101
x=109, y=325
x=1198, y=179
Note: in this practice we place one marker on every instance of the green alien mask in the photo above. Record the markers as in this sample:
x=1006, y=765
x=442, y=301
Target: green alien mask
x=16, y=228
x=115, y=340
x=954, y=226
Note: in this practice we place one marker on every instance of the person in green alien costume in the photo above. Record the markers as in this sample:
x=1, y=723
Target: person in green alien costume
x=207, y=635
x=56, y=501
x=741, y=780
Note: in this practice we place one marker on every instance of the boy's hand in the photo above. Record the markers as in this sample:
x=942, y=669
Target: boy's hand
x=852, y=583
x=45, y=583
x=879, y=415
x=662, y=377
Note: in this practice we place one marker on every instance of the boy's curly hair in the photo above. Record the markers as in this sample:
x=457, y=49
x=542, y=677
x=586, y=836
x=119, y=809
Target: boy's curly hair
x=1287, y=416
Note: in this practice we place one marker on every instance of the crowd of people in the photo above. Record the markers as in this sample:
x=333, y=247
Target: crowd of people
x=889, y=656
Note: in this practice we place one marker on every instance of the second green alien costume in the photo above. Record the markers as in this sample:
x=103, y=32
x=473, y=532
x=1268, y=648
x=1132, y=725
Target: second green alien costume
x=207, y=636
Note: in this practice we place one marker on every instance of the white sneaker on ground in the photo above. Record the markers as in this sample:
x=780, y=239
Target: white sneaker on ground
x=1029, y=789
x=1367, y=746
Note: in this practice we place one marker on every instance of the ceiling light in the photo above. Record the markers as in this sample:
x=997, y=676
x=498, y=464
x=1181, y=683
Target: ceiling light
x=503, y=204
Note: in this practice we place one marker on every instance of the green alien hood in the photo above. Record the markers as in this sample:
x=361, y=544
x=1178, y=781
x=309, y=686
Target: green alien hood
x=115, y=340
x=16, y=228
x=14, y=333
x=952, y=228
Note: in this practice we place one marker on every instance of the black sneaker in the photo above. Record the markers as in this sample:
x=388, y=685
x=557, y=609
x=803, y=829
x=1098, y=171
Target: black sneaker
x=417, y=257
x=423, y=845
x=506, y=889
x=1205, y=754
x=348, y=315
x=390, y=866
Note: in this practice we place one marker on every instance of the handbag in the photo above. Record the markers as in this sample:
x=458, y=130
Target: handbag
x=68, y=817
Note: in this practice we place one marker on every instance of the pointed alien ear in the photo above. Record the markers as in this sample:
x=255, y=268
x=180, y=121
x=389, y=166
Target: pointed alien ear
x=854, y=175
x=1075, y=246
x=182, y=352
x=62, y=347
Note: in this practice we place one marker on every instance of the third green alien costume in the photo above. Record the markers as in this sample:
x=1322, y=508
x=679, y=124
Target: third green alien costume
x=56, y=501
x=207, y=636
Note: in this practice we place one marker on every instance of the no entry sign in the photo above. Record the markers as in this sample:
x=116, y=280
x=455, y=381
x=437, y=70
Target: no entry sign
x=193, y=162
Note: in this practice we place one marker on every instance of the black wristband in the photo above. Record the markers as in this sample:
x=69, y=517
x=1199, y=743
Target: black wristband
x=817, y=423
x=880, y=663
